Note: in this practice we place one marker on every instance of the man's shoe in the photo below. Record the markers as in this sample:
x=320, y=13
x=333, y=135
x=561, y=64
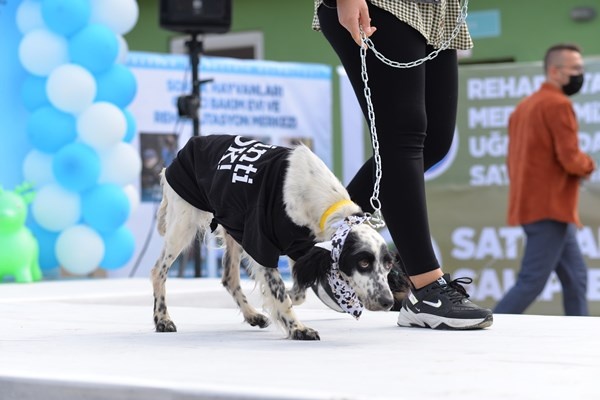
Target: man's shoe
x=443, y=304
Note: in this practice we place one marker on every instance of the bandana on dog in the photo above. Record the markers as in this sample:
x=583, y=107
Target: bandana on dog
x=344, y=295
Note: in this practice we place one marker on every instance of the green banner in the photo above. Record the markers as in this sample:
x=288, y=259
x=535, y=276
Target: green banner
x=467, y=192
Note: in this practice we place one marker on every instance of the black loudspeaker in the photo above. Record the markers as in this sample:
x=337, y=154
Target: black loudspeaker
x=196, y=16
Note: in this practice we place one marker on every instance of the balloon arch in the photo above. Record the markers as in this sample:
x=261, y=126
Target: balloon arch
x=82, y=162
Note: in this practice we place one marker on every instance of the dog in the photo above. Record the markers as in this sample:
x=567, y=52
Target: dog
x=264, y=201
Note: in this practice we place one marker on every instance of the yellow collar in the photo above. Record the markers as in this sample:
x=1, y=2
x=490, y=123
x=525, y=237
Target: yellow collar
x=333, y=208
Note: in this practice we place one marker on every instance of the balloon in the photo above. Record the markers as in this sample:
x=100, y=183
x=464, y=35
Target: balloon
x=118, y=248
x=123, y=50
x=79, y=249
x=94, y=47
x=50, y=129
x=41, y=50
x=133, y=195
x=131, y=126
x=121, y=164
x=29, y=16
x=55, y=208
x=117, y=85
x=66, y=17
x=46, y=242
x=105, y=207
x=33, y=92
x=71, y=88
x=118, y=15
x=37, y=168
x=76, y=167
x=101, y=125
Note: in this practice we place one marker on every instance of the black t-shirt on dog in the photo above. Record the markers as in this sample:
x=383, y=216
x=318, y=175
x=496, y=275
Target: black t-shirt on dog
x=240, y=181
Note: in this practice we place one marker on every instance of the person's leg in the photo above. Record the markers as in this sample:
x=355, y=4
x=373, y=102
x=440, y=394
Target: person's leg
x=441, y=100
x=544, y=246
x=398, y=97
x=572, y=273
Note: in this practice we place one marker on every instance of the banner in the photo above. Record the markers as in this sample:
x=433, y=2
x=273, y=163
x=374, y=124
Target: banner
x=279, y=103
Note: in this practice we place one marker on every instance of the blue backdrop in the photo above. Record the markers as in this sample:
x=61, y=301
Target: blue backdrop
x=14, y=144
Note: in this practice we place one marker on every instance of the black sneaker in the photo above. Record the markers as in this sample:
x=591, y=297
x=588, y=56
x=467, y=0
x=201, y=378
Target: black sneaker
x=443, y=304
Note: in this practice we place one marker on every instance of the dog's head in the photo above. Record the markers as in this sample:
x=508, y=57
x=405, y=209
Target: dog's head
x=364, y=262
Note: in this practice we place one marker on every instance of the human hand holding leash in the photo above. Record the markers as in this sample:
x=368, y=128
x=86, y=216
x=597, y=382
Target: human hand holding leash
x=354, y=16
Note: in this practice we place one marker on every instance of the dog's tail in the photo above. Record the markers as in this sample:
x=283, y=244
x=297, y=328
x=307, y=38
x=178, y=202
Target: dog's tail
x=161, y=214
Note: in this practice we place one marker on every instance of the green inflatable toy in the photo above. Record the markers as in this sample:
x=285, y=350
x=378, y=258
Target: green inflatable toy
x=18, y=247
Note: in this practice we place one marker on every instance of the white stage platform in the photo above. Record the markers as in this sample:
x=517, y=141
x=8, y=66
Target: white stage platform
x=93, y=340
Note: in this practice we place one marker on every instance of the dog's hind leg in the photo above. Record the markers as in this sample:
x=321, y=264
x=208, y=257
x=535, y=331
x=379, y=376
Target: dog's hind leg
x=231, y=282
x=180, y=223
x=279, y=304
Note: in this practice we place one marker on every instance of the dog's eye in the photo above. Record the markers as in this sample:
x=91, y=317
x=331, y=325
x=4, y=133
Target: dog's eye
x=388, y=265
x=364, y=263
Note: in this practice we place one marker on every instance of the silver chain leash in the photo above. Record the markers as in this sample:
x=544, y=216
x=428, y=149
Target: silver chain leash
x=376, y=219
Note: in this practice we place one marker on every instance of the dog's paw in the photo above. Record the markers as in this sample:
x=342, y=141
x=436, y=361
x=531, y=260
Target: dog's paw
x=165, y=326
x=305, y=334
x=258, y=320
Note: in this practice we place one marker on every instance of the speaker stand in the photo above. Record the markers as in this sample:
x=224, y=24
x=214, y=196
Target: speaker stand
x=195, y=48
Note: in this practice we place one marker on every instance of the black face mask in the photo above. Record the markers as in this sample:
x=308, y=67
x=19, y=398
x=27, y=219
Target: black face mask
x=574, y=85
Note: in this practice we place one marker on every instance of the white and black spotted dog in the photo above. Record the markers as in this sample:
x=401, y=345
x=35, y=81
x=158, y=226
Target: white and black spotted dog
x=267, y=201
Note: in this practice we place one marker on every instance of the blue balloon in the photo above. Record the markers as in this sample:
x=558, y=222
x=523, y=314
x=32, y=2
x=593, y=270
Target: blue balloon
x=46, y=241
x=131, y=126
x=66, y=17
x=118, y=248
x=117, y=85
x=50, y=129
x=76, y=167
x=94, y=47
x=105, y=207
x=33, y=92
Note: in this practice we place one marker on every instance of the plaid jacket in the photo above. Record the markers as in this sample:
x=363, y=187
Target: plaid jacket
x=434, y=21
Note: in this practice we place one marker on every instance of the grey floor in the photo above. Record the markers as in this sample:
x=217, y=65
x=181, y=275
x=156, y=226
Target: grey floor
x=85, y=339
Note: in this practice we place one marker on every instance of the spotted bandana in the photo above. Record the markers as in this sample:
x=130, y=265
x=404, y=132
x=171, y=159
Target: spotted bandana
x=343, y=293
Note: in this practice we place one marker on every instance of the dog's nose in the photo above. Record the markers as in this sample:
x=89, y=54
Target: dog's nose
x=386, y=302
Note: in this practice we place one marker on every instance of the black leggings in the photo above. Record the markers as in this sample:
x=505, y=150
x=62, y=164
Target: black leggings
x=415, y=115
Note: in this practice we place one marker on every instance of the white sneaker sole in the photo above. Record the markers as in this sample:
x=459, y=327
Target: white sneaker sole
x=407, y=318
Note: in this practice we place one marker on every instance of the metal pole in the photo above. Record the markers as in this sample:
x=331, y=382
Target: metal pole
x=195, y=48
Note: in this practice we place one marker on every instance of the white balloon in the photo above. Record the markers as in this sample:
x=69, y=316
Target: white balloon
x=101, y=125
x=119, y=15
x=71, y=88
x=121, y=164
x=37, y=168
x=133, y=195
x=55, y=208
x=29, y=16
x=79, y=249
x=123, y=50
x=41, y=50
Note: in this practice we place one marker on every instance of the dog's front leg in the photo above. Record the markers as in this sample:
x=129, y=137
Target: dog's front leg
x=279, y=304
x=231, y=282
x=296, y=293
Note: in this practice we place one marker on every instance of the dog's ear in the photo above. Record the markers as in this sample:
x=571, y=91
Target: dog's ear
x=399, y=283
x=312, y=267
